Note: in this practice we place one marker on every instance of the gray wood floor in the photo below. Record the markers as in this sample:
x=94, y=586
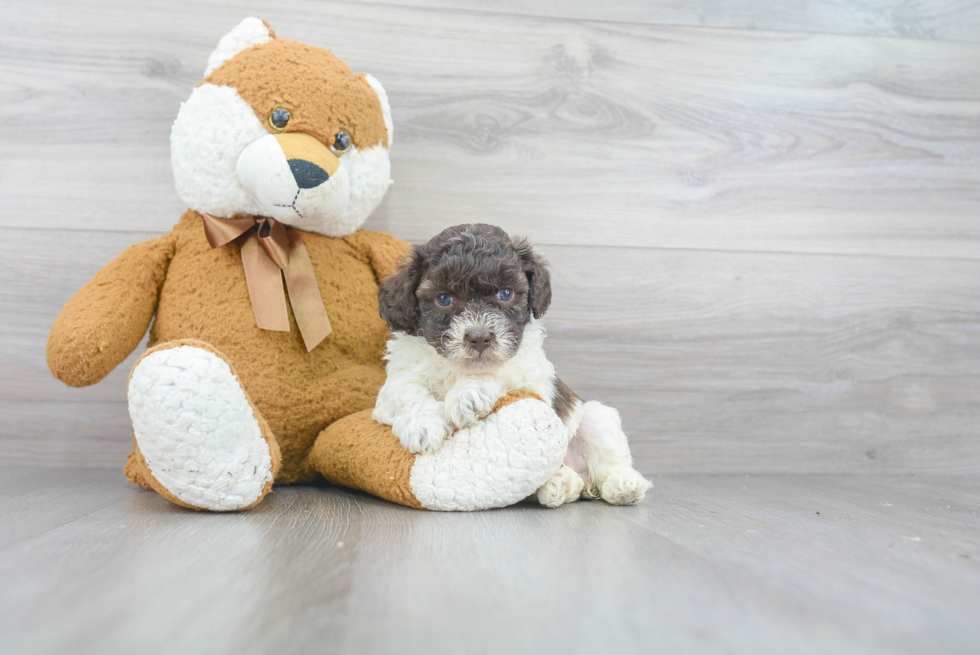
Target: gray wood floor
x=715, y=564
x=764, y=224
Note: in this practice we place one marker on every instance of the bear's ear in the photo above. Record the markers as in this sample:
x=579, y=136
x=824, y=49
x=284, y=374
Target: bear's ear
x=385, y=107
x=248, y=33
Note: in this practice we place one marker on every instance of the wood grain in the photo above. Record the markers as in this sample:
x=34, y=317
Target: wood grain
x=764, y=243
x=584, y=132
x=952, y=20
x=821, y=364
x=765, y=252
x=714, y=564
x=718, y=361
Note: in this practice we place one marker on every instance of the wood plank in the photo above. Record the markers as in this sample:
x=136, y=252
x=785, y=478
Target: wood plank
x=945, y=20
x=41, y=273
x=705, y=564
x=35, y=499
x=583, y=133
x=718, y=362
x=79, y=434
x=818, y=363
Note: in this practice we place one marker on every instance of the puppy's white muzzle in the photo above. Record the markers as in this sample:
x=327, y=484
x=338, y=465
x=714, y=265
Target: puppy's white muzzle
x=502, y=343
x=294, y=179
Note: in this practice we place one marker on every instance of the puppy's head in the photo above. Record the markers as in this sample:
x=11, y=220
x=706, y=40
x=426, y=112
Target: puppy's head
x=469, y=292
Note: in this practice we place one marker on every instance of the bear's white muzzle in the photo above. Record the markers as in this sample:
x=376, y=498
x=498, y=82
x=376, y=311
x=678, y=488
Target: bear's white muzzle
x=295, y=179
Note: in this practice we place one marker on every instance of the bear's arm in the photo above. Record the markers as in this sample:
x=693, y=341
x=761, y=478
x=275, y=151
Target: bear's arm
x=384, y=251
x=105, y=321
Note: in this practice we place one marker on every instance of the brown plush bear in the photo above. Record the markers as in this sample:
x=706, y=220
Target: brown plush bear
x=281, y=152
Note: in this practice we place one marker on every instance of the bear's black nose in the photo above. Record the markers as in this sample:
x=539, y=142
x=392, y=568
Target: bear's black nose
x=307, y=174
x=479, y=341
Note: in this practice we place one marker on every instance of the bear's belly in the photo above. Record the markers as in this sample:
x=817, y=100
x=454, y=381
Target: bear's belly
x=299, y=393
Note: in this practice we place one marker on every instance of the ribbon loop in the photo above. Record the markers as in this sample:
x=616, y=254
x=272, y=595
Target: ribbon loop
x=274, y=241
x=270, y=252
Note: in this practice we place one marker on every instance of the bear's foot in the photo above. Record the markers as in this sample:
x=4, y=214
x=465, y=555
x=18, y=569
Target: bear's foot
x=501, y=460
x=203, y=443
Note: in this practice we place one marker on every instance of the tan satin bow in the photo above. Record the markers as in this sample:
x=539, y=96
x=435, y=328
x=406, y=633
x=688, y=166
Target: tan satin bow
x=269, y=252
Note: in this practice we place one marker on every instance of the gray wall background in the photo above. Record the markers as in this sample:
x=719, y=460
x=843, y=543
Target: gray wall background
x=763, y=219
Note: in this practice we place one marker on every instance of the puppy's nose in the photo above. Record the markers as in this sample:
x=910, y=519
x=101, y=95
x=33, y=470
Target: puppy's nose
x=479, y=341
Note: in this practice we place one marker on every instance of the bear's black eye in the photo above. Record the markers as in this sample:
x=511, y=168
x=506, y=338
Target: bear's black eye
x=444, y=300
x=341, y=143
x=278, y=118
x=505, y=294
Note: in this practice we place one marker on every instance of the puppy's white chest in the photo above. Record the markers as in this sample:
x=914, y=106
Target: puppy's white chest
x=441, y=385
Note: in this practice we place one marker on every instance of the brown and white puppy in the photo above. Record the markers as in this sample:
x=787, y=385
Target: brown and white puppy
x=464, y=310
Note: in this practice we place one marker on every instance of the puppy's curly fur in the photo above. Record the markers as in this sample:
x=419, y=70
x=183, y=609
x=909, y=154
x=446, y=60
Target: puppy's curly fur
x=465, y=310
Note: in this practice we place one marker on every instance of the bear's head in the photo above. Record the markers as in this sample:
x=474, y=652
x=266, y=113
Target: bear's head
x=285, y=130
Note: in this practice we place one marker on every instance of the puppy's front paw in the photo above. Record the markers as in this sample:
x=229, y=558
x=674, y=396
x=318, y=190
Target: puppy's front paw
x=565, y=486
x=422, y=431
x=623, y=486
x=465, y=405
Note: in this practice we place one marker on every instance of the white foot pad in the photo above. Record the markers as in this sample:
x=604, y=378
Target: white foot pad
x=565, y=486
x=196, y=429
x=624, y=486
x=501, y=460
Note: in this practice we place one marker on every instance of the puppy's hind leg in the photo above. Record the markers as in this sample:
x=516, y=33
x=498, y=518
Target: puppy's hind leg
x=601, y=440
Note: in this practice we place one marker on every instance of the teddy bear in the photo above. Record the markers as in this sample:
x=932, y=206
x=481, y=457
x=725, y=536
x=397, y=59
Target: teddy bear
x=265, y=351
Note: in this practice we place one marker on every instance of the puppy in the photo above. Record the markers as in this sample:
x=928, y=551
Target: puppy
x=464, y=310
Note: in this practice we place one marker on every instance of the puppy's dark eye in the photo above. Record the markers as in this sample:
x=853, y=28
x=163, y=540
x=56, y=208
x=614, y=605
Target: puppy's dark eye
x=444, y=300
x=278, y=118
x=341, y=143
x=505, y=294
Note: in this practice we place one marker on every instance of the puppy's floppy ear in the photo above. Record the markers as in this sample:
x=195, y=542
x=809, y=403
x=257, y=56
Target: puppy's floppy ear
x=397, y=303
x=538, y=279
